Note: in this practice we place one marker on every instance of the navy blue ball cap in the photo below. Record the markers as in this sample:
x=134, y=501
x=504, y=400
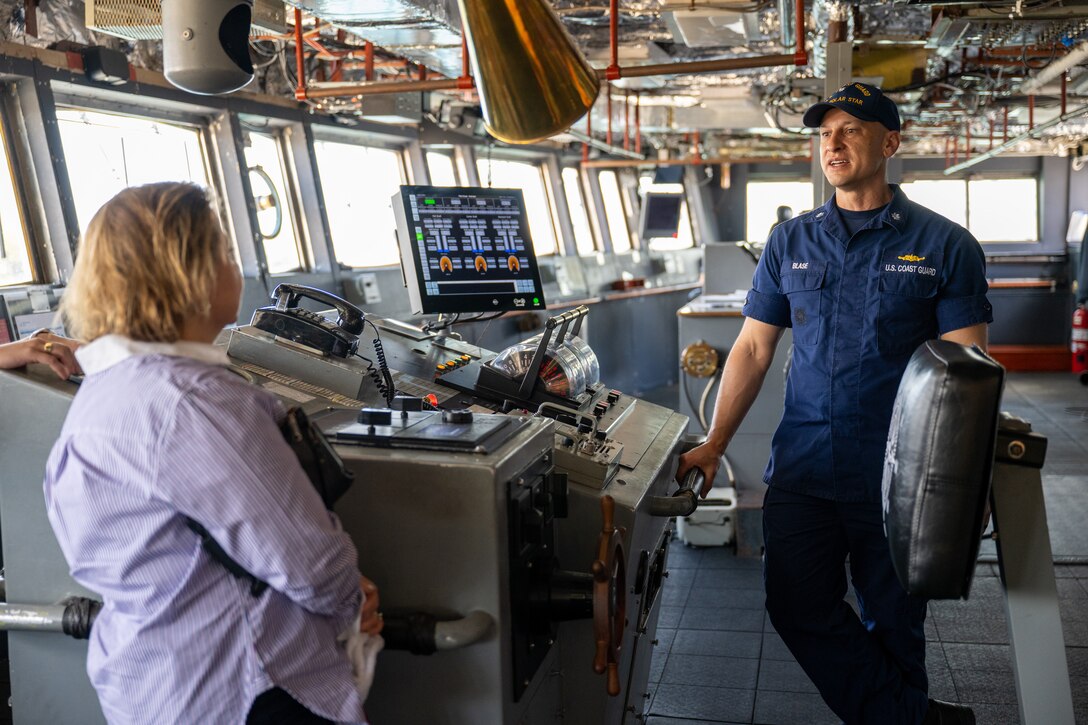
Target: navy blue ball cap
x=860, y=100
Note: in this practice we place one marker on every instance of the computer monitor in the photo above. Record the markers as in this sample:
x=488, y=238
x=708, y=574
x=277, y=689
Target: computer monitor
x=1078, y=227
x=466, y=249
x=660, y=215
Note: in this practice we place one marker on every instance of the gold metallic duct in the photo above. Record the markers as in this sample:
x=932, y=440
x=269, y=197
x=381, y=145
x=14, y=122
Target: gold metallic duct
x=532, y=80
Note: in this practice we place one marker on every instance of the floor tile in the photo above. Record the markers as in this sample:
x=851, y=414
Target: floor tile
x=706, y=703
x=659, y=720
x=722, y=618
x=706, y=671
x=774, y=648
x=784, y=676
x=792, y=708
x=729, y=579
x=978, y=657
x=707, y=596
x=718, y=644
x=992, y=686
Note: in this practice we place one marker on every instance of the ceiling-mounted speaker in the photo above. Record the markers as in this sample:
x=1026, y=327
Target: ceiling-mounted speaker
x=205, y=44
x=532, y=79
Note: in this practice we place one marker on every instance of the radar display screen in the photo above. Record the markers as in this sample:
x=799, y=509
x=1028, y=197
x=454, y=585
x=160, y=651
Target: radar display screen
x=466, y=249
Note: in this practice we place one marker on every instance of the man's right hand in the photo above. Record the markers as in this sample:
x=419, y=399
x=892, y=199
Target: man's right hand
x=705, y=457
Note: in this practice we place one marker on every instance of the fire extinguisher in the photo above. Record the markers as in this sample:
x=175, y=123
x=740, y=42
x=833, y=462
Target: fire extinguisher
x=1080, y=342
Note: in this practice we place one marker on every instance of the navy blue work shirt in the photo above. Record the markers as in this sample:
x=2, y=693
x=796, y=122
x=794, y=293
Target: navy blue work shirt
x=859, y=306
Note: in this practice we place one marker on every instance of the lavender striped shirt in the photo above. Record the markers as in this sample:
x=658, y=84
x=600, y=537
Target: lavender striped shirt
x=159, y=432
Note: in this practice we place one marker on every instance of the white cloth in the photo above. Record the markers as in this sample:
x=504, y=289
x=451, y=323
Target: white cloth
x=362, y=650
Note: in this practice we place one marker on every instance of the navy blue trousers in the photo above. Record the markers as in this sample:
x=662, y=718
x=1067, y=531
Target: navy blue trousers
x=870, y=669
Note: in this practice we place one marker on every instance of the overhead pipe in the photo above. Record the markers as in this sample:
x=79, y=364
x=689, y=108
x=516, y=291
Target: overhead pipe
x=1073, y=58
x=300, y=65
x=1075, y=113
x=608, y=94
x=626, y=122
x=614, y=72
x=588, y=141
x=712, y=161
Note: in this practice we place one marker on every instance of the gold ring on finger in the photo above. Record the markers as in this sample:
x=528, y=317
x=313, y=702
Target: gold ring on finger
x=48, y=347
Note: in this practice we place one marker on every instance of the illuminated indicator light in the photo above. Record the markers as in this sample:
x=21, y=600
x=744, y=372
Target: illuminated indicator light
x=441, y=366
x=536, y=300
x=466, y=358
x=419, y=236
x=428, y=201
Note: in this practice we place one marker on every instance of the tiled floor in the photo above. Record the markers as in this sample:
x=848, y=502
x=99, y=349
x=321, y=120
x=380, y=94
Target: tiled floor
x=719, y=660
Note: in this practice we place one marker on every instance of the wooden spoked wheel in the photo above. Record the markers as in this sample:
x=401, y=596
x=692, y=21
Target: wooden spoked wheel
x=609, y=598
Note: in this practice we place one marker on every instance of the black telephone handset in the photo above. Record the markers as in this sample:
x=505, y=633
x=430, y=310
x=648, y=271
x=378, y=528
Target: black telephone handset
x=286, y=319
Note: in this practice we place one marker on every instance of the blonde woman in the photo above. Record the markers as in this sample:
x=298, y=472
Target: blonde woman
x=159, y=431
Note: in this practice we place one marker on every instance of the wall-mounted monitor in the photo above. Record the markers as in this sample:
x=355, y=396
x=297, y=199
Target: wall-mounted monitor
x=660, y=215
x=466, y=249
x=1078, y=227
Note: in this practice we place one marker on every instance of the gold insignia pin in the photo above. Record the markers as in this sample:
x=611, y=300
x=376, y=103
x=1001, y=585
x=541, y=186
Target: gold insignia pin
x=912, y=258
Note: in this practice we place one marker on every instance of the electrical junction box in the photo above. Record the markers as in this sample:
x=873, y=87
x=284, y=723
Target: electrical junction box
x=713, y=523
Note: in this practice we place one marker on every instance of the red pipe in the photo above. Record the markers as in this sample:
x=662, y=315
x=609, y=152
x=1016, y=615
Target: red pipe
x=608, y=136
x=638, y=132
x=368, y=61
x=955, y=150
x=947, y=143
x=626, y=123
x=1031, y=111
x=799, y=55
x=1005, y=139
x=465, y=82
x=991, y=133
x=589, y=132
x=300, y=65
x=612, y=72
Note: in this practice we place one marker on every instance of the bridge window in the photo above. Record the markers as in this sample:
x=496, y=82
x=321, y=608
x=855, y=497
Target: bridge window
x=614, y=211
x=947, y=197
x=529, y=177
x=358, y=183
x=993, y=210
x=107, y=152
x=572, y=187
x=441, y=168
x=15, y=265
x=764, y=198
x=275, y=220
x=1003, y=210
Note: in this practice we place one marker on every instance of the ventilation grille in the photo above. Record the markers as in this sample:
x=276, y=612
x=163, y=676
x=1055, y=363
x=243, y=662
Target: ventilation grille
x=142, y=19
x=130, y=19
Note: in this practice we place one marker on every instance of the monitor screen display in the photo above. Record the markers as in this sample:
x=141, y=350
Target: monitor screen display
x=466, y=249
x=660, y=215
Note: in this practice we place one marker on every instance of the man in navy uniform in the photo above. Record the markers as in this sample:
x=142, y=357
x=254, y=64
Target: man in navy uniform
x=863, y=280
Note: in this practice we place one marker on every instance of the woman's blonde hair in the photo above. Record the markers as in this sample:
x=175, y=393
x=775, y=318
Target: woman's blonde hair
x=147, y=263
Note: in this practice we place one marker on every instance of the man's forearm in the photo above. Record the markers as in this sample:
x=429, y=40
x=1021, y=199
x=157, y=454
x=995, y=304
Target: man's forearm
x=741, y=381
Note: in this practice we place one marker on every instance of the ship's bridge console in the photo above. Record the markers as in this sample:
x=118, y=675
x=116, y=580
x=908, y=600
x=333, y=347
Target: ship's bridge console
x=513, y=509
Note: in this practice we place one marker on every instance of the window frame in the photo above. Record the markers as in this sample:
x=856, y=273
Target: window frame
x=998, y=245
x=279, y=136
x=541, y=162
x=409, y=166
x=13, y=135
x=592, y=222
